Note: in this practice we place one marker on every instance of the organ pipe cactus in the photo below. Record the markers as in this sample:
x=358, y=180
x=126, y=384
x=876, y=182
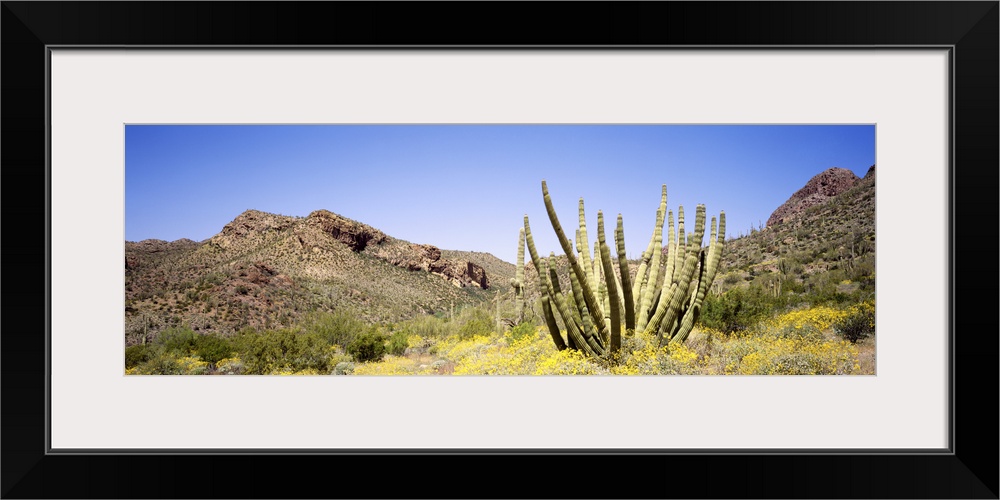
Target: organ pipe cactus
x=664, y=298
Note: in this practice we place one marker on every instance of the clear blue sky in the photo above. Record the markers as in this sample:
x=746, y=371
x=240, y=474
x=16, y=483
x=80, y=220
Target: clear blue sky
x=467, y=187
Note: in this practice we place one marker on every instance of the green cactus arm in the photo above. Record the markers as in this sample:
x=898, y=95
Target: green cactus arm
x=550, y=323
x=588, y=325
x=685, y=320
x=595, y=346
x=654, y=263
x=602, y=288
x=584, y=243
x=655, y=249
x=573, y=323
x=716, y=244
x=571, y=305
x=615, y=342
x=588, y=293
x=656, y=299
x=570, y=343
x=602, y=283
x=574, y=332
x=530, y=243
x=641, y=276
x=567, y=294
x=626, y=283
x=668, y=275
x=519, y=285
x=596, y=263
x=519, y=271
x=671, y=301
x=550, y=320
x=545, y=284
x=681, y=243
x=553, y=274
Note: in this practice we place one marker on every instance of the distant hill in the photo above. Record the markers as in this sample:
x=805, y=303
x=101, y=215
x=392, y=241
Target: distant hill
x=818, y=190
x=265, y=270
x=823, y=237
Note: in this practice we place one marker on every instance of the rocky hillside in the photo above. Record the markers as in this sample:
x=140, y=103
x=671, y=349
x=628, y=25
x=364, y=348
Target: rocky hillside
x=820, y=189
x=823, y=237
x=267, y=270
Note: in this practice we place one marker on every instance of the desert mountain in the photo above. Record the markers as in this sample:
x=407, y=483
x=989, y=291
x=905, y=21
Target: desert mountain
x=267, y=270
x=823, y=236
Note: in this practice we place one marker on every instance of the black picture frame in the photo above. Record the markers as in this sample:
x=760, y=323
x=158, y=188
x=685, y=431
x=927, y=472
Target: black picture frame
x=968, y=470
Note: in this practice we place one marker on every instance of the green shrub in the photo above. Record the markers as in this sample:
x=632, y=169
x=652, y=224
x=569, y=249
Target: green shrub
x=737, y=309
x=521, y=331
x=137, y=354
x=858, y=324
x=338, y=328
x=271, y=351
x=369, y=346
x=474, y=321
x=427, y=326
x=806, y=332
x=161, y=364
x=212, y=348
x=179, y=341
x=397, y=344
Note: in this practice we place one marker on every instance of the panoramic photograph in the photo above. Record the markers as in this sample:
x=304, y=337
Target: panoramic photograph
x=519, y=250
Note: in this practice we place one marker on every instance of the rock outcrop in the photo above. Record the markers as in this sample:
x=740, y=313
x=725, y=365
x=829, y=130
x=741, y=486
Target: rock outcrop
x=256, y=222
x=870, y=175
x=819, y=189
x=417, y=257
x=353, y=234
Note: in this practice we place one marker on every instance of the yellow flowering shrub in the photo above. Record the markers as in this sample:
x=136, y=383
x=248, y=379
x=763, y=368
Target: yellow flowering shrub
x=681, y=360
x=499, y=357
x=750, y=354
x=796, y=342
x=192, y=366
x=566, y=362
x=639, y=356
x=230, y=366
x=290, y=371
x=414, y=340
x=455, y=348
x=392, y=365
x=821, y=318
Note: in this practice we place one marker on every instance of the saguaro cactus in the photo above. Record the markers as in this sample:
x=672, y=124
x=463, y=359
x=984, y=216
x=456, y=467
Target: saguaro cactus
x=664, y=298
